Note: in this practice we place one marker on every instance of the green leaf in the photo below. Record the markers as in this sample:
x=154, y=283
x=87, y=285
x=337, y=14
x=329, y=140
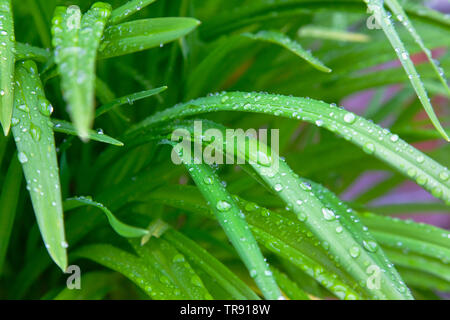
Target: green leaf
x=121, y=228
x=132, y=6
x=128, y=99
x=381, y=16
x=76, y=39
x=34, y=139
x=164, y=257
x=9, y=198
x=201, y=259
x=7, y=52
x=400, y=14
x=331, y=34
x=158, y=269
x=26, y=51
x=143, y=34
x=68, y=128
x=291, y=45
x=370, y=137
x=289, y=287
x=233, y=223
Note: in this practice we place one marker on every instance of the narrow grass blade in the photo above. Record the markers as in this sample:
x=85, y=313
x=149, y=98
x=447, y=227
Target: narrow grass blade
x=161, y=255
x=9, y=197
x=33, y=135
x=26, y=52
x=7, y=52
x=68, y=128
x=401, y=16
x=370, y=137
x=284, y=236
x=331, y=34
x=290, y=288
x=128, y=99
x=292, y=45
x=121, y=228
x=201, y=259
x=376, y=6
x=143, y=34
x=76, y=39
x=121, y=13
x=132, y=267
x=158, y=269
x=233, y=222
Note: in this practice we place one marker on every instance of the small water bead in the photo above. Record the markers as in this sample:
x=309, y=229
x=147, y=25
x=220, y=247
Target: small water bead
x=223, y=205
x=22, y=157
x=64, y=244
x=302, y=217
x=339, y=229
x=354, y=252
x=278, y=187
x=35, y=132
x=328, y=214
x=349, y=118
x=370, y=245
x=443, y=175
x=208, y=180
x=369, y=148
x=319, y=123
x=420, y=159
x=394, y=138
x=306, y=186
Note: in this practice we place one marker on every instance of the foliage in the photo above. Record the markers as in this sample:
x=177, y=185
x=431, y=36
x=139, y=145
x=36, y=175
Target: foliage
x=275, y=228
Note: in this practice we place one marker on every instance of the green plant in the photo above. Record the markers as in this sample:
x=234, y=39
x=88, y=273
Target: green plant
x=277, y=228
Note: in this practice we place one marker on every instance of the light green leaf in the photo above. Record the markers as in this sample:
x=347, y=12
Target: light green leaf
x=143, y=34
x=68, y=128
x=7, y=52
x=128, y=99
x=373, y=139
x=132, y=6
x=76, y=39
x=233, y=222
x=291, y=45
x=121, y=228
x=33, y=135
x=381, y=16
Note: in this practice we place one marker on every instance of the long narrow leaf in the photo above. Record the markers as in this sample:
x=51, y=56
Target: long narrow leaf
x=373, y=139
x=76, y=39
x=7, y=53
x=33, y=135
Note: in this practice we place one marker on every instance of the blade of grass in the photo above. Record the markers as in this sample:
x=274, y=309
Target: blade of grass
x=34, y=139
x=130, y=99
x=68, y=128
x=232, y=221
x=381, y=16
x=370, y=137
x=9, y=198
x=164, y=256
x=76, y=39
x=292, y=45
x=119, y=227
x=401, y=16
x=143, y=34
x=331, y=34
x=26, y=51
x=201, y=259
x=7, y=52
x=121, y=13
